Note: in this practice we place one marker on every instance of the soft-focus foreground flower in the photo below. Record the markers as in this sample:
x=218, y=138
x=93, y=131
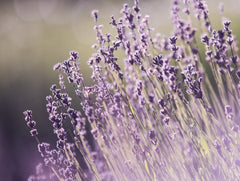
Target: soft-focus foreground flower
x=167, y=110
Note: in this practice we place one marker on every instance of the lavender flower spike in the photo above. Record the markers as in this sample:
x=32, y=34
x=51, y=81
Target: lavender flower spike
x=156, y=108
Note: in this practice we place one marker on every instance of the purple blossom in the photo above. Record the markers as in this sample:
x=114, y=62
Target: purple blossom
x=164, y=103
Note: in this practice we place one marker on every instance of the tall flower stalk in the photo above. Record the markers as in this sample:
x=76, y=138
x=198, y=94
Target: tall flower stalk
x=166, y=110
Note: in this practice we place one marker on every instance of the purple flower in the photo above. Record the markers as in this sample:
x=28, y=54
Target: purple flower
x=34, y=132
x=95, y=15
x=151, y=103
x=173, y=40
x=228, y=109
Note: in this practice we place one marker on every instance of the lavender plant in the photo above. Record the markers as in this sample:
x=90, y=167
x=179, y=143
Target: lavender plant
x=166, y=110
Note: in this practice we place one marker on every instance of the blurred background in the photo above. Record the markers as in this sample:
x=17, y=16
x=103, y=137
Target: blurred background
x=34, y=36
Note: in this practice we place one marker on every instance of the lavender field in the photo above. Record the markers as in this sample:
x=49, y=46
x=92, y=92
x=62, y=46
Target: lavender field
x=142, y=91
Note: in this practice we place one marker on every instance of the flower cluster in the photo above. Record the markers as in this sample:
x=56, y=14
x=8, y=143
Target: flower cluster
x=166, y=110
x=30, y=122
